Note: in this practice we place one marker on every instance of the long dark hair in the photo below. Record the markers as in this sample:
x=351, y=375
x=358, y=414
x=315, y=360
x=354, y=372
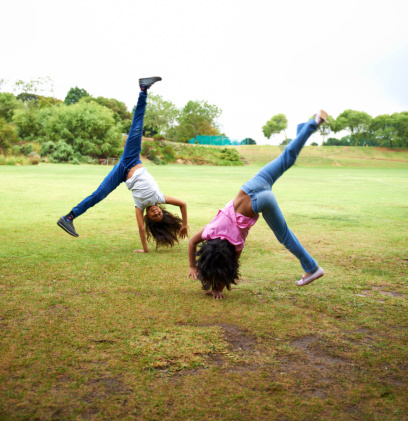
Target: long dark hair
x=217, y=264
x=164, y=232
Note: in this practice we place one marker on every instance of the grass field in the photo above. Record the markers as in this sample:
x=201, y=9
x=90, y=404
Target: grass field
x=90, y=330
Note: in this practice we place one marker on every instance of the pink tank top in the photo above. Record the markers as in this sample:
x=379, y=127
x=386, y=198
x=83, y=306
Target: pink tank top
x=229, y=225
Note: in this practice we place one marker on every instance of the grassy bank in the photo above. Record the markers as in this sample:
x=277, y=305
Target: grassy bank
x=91, y=330
x=333, y=156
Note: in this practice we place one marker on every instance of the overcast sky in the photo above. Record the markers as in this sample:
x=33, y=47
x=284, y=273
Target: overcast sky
x=253, y=59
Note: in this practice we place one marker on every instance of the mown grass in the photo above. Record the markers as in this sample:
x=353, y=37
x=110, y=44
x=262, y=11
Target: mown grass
x=91, y=330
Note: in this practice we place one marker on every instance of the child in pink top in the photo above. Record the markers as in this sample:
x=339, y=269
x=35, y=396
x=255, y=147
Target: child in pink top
x=223, y=239
x=229, y=225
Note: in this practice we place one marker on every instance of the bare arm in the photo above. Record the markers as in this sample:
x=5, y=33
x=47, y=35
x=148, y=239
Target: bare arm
x=192, y=247
x=142, y=231
x=183, y=233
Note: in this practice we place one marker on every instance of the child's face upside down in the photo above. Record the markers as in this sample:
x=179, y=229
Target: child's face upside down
x=154, y=213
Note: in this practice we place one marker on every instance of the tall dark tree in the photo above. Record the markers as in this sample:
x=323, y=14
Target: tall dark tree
x=74, y=95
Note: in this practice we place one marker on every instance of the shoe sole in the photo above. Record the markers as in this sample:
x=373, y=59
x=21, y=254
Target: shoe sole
x=61, y=225
x=318, y=274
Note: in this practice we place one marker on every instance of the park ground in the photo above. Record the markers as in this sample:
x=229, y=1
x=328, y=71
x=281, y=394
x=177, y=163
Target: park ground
x=90, y=330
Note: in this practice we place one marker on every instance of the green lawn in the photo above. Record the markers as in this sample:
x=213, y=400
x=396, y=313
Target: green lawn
x=90, y=330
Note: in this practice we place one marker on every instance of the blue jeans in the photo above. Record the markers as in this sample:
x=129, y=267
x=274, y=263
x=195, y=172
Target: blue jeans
x=263, y=200
x=129, y=158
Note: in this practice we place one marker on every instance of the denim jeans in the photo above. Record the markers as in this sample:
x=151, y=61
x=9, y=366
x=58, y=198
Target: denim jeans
x=263, y=200
x=129, y=158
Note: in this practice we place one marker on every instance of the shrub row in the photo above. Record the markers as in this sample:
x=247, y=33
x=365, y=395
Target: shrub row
x=168, y=152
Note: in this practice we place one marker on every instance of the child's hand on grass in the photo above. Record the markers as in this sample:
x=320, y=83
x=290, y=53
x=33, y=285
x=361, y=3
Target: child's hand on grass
x=193, y=273
x=183, y=233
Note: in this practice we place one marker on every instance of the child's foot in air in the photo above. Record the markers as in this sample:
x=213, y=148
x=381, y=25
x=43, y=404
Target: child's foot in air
x=146, y=82
x=307, y=278
x=65, y=222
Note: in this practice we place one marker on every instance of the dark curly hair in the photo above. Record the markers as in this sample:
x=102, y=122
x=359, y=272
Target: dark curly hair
x=164, y=232
x=217, y=264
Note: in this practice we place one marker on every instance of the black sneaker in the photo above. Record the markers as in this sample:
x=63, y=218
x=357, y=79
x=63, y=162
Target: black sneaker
x=67, y=225
x=148, y=81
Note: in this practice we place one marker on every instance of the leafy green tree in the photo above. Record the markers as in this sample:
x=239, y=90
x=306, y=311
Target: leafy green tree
x=120, y=111
x=196, y=118
x=74, y=95
x=88, y=127
x=357, y=123
x=384, y=129
x=8, y=104
x=401, y=124
x=26, y=121
x=8, y=135
x=275, y=125
x=62, y=152
x=161, y=115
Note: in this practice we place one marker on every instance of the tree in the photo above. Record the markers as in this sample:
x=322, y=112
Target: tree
x=26, y=121
x=161, y=115
x=74, y=95
x=8, y=104
x=357, y=123
x=275, y=125
x=119, y=108
x=88, y=127
x=384, y=129
x=8, y=135
x=195, y=119
x=401, y=124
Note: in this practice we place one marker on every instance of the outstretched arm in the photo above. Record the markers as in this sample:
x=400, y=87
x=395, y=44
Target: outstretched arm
x=142, y=231
x=192, y=247
x=183, y=233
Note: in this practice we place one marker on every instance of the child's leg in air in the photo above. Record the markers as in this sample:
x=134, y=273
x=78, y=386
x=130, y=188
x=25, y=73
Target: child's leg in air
x=131, y=153
x=129, y=158
x=272, y=171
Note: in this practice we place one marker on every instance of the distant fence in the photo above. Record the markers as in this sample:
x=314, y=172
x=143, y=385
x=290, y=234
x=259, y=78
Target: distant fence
x=219, y=141
x=108, y=161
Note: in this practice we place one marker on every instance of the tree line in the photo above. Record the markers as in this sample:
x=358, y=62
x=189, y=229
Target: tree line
x=82, y=128
x=389, y=130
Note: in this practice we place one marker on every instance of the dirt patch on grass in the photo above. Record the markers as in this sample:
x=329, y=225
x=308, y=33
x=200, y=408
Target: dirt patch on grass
x=379, y=289
x=239, y=339
x=106, y=386
x=314, y=354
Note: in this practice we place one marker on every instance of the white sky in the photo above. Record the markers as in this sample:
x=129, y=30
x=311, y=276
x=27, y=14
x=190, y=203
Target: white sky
x=253, y=59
